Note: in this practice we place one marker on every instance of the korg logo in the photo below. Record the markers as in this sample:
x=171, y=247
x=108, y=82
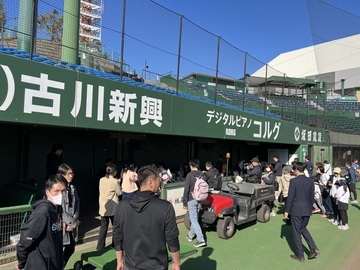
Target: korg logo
x=297, y=134
x=230, y=132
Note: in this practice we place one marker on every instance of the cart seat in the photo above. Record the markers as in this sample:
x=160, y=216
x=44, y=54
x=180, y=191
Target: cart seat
x=244, y=188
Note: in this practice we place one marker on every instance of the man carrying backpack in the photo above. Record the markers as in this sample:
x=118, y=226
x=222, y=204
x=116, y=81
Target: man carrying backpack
x=192, y=205
x=212, y=176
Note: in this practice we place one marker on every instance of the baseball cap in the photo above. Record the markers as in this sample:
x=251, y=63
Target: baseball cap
x=343, y=182
x=255, y=159
x=337, y=170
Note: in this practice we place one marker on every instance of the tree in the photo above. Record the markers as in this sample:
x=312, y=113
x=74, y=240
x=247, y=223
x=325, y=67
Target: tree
x=52, y=24
x=2, y=17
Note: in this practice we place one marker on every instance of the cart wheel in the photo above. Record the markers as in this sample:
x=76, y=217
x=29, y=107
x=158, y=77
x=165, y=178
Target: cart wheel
x=78, y=265
x=226, y=227
x=263, y=214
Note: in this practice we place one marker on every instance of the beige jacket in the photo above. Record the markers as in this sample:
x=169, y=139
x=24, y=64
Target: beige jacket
x=109, y=189
x=128, y=183
x=284, y=184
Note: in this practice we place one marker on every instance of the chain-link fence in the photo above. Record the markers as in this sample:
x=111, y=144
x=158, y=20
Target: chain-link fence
x=11, y=220
x=148, y=42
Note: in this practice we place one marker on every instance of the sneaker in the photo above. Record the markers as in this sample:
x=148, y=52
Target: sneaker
x=272, y=214
x=323, y=215
x=345, y=227
x=341, y=227
x=200, y=244
x=331, y=220
x=354, y=201
x=188, y=238
x=316, y=210
x=335, y=223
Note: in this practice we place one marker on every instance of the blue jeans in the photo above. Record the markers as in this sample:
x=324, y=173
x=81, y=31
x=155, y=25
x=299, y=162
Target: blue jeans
x=195, y=228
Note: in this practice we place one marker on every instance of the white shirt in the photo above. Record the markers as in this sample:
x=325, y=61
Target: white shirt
x=306, y=172
x=317, y=193
x=334, y=187
x=343, y=196
x=328, y=169
x=324, y=179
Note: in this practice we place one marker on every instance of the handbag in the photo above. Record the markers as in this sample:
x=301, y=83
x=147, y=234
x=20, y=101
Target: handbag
x=276, y=185
x=281, y=197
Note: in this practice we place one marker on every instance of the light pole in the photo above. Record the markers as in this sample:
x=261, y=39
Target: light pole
x=227, y=165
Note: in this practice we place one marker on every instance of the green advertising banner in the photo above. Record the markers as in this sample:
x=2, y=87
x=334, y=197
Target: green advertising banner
x=38, y=93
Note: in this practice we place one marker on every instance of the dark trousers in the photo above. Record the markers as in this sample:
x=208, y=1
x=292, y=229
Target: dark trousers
x=103, y=231
x=352, y=188
x=127, y=195
x=69, y=249
x=327, y=204
x=335, y=208
x=299, y=229
x=343, y=217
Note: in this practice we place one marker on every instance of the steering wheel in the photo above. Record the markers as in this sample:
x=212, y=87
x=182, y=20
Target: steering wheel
x=232, y=186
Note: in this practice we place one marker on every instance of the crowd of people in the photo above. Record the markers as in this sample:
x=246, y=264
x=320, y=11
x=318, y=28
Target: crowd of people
x=307, y=189
x=130, y=201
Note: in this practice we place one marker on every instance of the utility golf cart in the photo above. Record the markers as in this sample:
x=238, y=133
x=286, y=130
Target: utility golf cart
x=234, y=205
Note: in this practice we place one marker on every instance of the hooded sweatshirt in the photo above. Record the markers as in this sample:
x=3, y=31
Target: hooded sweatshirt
x=41, y=241
x=189, y=186
x=143, y=226
x=285, y=184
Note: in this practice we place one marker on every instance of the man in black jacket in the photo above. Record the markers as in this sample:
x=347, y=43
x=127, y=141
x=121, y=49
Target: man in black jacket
x=54, y=160
x=254, y=171
x=144, y=225
x=212, y=176
x=277, y=172
x=41, y=238
x=299, y=205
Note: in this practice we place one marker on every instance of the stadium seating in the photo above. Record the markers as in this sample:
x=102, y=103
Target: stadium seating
x=339, y=105
x=290, y=102
x=337, y=123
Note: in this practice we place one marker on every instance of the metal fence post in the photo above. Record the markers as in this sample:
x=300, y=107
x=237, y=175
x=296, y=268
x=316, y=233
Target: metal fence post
x=179, y=56
x=122, y=41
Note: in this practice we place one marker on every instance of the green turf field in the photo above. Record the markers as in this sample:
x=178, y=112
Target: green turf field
x=269, y=245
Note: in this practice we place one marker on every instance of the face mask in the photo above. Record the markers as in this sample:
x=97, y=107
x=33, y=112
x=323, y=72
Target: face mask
x=57, y=199
x=268, y=169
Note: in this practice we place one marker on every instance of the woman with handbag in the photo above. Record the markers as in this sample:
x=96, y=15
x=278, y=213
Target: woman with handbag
x=71, y=211
x=284, y=186
x=109, y=192
x=268, y=178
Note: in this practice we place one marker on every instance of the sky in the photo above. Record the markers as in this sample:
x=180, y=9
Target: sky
x=262, y=28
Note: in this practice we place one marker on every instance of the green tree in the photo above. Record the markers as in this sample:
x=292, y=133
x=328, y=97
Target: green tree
x=52, y=24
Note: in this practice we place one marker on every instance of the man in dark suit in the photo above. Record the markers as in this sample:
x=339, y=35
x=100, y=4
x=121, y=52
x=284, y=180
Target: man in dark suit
x=299, y=205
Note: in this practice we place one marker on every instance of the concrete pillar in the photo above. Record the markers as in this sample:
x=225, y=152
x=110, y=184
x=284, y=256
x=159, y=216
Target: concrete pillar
x=25, y=25
x=342, y=87
x=70, y=40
